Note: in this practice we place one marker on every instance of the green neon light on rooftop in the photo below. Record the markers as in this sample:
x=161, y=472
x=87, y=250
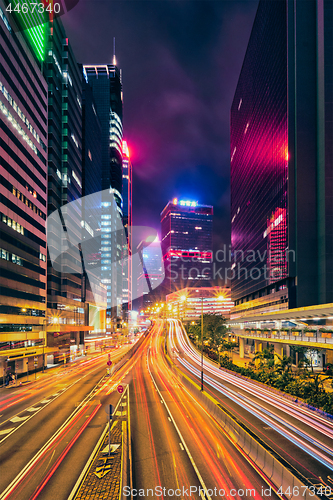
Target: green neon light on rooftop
x=34, y=26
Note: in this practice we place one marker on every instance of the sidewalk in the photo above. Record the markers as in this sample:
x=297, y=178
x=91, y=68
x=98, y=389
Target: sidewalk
x=56, y=370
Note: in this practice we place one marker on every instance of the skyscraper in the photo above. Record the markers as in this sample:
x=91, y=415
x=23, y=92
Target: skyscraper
x=187, y=229
x=127, y=221
x=149, y=273
x=64, y=180
x=23, y=191
x=94, y=295
x=281, y=159
x=106, y=84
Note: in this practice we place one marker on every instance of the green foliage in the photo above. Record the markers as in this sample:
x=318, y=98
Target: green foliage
x=267, y=366
x=214, y=330
x=300, y=384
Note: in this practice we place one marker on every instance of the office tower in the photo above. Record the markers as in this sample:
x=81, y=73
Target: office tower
x=105, y=81
x=23, y=193
x=93, y=295
x=127, y=221
x=149, y=273
x=187, y=244
x=64, y=182
x=281, y=160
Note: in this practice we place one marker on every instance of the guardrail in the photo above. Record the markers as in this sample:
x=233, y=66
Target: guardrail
x=307, y=337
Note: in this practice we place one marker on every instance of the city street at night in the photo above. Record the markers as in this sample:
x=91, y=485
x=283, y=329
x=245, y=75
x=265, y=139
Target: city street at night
x=166, y=249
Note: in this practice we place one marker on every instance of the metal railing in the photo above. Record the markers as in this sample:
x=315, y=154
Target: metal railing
x=315, y=337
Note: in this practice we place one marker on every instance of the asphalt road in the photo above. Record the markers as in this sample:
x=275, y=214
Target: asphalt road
x=48, y=429
x=301, y=436
x=176, y=443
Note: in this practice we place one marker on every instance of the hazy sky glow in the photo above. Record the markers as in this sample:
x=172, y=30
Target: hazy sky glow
x=180, y=61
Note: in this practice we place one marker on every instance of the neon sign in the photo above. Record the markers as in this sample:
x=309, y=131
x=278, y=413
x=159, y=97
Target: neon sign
x=186, y=203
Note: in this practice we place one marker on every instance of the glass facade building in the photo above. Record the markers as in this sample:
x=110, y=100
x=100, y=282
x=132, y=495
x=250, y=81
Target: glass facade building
x=281, y=160
x=64, y=179
x=186, y=241
x=259, y=153
x=94, y=296
x=106, y=84
x=149, y=273
x=23, y=194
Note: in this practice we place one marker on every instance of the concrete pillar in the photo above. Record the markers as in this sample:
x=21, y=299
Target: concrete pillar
x=287, y=350
x=241, y=347
x=257, y=346
x=278, y=350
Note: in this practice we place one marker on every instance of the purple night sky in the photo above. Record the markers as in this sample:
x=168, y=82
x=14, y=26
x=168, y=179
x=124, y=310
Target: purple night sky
x=180, y=61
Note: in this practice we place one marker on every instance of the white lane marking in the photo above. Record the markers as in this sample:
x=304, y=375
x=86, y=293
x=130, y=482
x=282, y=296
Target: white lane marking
x=6, y=431
x=40, y=452
x=34, y=409
x=169, y=419
x=181, y=446
x=45, y=401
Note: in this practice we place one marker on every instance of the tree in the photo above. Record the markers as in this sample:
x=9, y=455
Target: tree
x=266, y=356
x=214, y=329
x=284, y=364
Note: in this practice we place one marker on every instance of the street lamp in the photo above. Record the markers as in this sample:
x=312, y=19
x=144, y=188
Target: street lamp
x=183, y=300
x=44, y=340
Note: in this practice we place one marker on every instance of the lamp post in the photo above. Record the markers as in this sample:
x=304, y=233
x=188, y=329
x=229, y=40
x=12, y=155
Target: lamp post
x=183, y=301
x=44, y=340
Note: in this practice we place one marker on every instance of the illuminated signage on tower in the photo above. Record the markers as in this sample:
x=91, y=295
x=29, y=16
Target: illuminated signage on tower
x=32, y=18
x=185, y=203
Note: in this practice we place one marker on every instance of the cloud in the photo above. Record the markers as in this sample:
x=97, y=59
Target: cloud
x=180, y=62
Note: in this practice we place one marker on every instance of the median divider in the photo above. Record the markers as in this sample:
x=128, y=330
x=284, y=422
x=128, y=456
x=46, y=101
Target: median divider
x=288, y=482
x=109, y=469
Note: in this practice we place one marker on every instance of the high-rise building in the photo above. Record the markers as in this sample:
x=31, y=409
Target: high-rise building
x=93, y=294
x=106, y=84
x=282, y=160
x=187, y=229
x=149, y=273
x=23, y=191
x=66, y=309
x=127, y=221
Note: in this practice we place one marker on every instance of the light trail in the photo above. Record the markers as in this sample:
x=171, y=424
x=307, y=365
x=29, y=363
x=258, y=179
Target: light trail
x=202, y=431
x=253, y=407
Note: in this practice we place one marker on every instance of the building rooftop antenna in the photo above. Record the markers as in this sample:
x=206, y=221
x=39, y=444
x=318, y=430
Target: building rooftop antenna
x=114, y=61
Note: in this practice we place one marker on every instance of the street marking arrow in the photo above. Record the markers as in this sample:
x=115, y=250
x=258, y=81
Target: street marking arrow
x=114, y=447
x=7, y=431
x=18, y=419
